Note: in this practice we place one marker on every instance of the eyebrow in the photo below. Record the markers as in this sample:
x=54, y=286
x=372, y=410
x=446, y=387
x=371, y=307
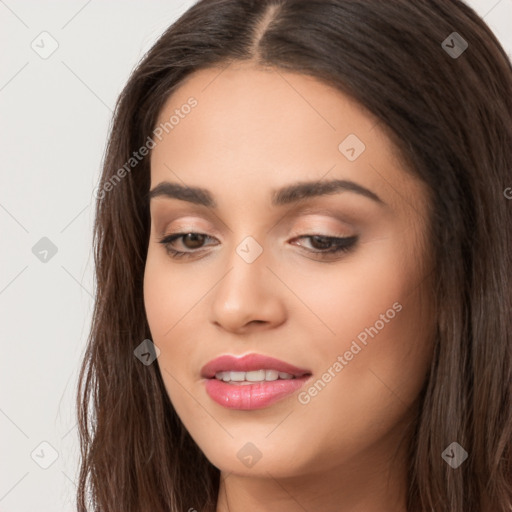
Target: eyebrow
x=282, y=196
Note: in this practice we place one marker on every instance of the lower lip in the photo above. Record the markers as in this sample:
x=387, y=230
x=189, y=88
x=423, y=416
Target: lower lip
x=248, y=397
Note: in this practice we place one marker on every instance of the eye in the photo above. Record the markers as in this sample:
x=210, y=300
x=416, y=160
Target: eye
x=323, y=246
x=190, y=240
x=330, y=245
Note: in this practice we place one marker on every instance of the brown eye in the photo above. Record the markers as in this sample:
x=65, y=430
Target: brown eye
x=193, y=240
x=325, y=245
x=321, y=242
x=190, y=241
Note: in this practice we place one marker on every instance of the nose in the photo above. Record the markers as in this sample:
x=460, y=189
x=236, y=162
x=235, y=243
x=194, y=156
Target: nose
x=248, y=297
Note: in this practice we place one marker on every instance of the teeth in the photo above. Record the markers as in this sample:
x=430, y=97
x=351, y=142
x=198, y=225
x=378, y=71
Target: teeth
x=272, y=374
x=253, y=376
x=237, y=376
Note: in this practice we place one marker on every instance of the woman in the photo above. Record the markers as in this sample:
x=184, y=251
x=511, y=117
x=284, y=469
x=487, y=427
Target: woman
x=303, y=250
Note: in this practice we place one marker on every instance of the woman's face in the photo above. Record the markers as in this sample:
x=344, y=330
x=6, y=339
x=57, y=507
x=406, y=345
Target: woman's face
x=258, y=275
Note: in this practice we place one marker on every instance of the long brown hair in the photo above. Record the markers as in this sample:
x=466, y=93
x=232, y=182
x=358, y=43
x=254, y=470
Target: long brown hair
x=450, y=117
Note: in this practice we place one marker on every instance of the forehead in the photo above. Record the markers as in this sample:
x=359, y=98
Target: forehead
x=245, y=103
x=264, y=127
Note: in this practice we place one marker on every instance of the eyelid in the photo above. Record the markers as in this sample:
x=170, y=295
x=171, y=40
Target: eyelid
x=322, y=219
x=187, y=227
x=321, y=226
x=326, y=227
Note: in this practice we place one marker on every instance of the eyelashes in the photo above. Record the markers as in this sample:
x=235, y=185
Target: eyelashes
x=329, y=246
x=167, y=242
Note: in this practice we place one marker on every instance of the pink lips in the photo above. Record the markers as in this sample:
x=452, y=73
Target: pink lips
x=251, y=396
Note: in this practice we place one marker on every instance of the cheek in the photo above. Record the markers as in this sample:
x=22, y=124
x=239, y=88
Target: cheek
x=171, y=292
x=350, y=296
x=365, y=388
x=168, y=302
x=376, y=347
x=368, y=310
x=174, y=297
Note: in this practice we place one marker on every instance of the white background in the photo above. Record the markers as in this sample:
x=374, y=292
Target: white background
x=54, y=118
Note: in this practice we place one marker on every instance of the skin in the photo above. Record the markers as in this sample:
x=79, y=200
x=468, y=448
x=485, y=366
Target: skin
x=254, y=130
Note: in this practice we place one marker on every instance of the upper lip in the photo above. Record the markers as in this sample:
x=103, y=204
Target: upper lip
x=247, y=363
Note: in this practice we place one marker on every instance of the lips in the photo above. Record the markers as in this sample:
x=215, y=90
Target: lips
x=249, y=363
x=247, y=395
